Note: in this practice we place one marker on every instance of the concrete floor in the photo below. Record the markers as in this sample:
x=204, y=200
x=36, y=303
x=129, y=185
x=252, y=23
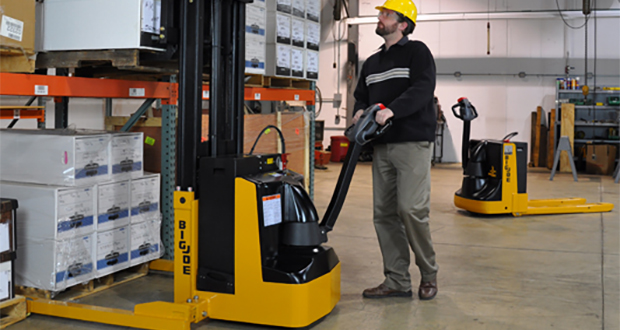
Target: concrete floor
x=496, y=272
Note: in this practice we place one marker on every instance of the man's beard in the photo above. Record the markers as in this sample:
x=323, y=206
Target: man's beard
x=385, y=30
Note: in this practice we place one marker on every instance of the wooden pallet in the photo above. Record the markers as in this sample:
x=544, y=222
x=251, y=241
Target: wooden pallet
x=93, y=286
x=257, y=80
x=115, y=63
x=13, y=311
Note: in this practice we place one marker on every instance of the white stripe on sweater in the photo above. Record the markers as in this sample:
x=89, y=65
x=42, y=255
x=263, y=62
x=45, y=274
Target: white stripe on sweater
x=387, y=75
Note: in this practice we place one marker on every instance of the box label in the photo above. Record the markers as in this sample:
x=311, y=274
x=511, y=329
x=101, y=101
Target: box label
x=255, y=20
x=41, y=90
x=113, y=204
x=151, y=16
x=297, y=63
x=299, y=8
x=284, y=6
x=284, y=57
x=313, y=35
x=298, y=32
x=12, y=28
x=283, y=23
x=313, y=10
x=91, y=157
x=312, y=61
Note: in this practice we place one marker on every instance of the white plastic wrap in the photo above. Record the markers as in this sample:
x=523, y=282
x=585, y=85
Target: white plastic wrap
x=145, y=242
x=126, y=155
x=6, y=285
x=54, y=157
x=145, y=198
x=52, y=212
x=54, y=265
x=113, y=205
x=112, y=251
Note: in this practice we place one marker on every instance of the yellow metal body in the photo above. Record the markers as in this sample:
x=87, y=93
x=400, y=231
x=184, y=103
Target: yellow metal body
x=254, y=301
x=518, y=204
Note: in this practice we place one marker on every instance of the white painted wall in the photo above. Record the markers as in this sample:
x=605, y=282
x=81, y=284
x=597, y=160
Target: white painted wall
x=505, y=103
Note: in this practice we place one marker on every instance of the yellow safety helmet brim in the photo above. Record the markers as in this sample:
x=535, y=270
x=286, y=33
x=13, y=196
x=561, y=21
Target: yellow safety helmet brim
x=405, y=7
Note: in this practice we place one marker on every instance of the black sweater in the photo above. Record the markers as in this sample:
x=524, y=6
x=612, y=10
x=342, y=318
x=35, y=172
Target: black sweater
x=403, y=79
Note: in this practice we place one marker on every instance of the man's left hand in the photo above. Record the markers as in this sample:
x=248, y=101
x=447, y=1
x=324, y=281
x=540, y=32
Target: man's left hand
x=382, y=116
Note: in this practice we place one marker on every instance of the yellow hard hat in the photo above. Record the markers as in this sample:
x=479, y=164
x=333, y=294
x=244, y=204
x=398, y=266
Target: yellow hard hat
x=405, y=7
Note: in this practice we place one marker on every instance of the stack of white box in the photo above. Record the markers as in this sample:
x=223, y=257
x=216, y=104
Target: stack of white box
x=293, y=34
x=80, y=195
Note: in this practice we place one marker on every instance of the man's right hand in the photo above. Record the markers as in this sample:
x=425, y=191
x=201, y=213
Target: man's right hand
x=357, y=116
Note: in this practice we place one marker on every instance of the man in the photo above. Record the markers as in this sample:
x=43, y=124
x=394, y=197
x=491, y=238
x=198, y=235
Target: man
x=401, y=75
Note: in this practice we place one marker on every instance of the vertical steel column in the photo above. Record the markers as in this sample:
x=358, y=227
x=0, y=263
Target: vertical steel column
x=61, y=108
x=168, y=170
x=108, y=107
x=41, y=103
x=311, y=109
x=190, y=92
x=216, y=97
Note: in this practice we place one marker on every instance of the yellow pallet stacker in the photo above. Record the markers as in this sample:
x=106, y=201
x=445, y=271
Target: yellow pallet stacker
x=495, y=177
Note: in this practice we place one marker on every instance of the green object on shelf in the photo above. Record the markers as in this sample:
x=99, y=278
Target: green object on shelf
x=613, y=100
x=577, y=101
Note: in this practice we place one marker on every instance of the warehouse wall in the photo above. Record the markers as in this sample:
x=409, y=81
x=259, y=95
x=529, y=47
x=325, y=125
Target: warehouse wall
x=539, y=47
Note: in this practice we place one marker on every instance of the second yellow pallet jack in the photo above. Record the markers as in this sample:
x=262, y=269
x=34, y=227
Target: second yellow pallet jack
x=495, y=177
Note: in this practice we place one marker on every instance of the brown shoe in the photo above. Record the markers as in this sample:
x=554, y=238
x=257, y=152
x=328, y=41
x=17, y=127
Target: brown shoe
x=428, y=290
x=382, y=291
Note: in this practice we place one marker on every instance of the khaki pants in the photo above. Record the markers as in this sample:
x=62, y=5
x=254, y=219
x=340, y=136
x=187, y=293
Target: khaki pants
x=401, y=175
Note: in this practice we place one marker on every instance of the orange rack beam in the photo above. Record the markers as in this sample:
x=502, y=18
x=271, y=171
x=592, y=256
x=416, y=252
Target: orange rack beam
x=22, y=112
x=58, y=86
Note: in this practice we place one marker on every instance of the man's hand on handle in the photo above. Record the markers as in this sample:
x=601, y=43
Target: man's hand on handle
x=382, y=116
x=357, y=116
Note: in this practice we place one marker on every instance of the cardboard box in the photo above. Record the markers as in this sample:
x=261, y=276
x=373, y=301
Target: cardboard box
x=313, y=35
x=312, y=65
x=278, y=28
x=278, y=60
x=298, y=32
x=297, y=62
x=313, y=10
x=54, y=157
x=112, y=251
x=126, y=155
x=55, y=265
x=299, y=8
x=255, y=53
x=145, y=198
x=255, y=19
x=52, y=212
x=17, y=28
x=284, y=6
x=600, y=159
x=113, y=204
x=145, y=242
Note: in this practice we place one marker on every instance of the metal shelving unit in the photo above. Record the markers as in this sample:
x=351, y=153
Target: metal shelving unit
x=593, y=123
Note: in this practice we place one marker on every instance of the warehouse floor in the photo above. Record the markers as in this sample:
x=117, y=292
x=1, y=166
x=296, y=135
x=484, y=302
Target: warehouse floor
x=500, y=272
